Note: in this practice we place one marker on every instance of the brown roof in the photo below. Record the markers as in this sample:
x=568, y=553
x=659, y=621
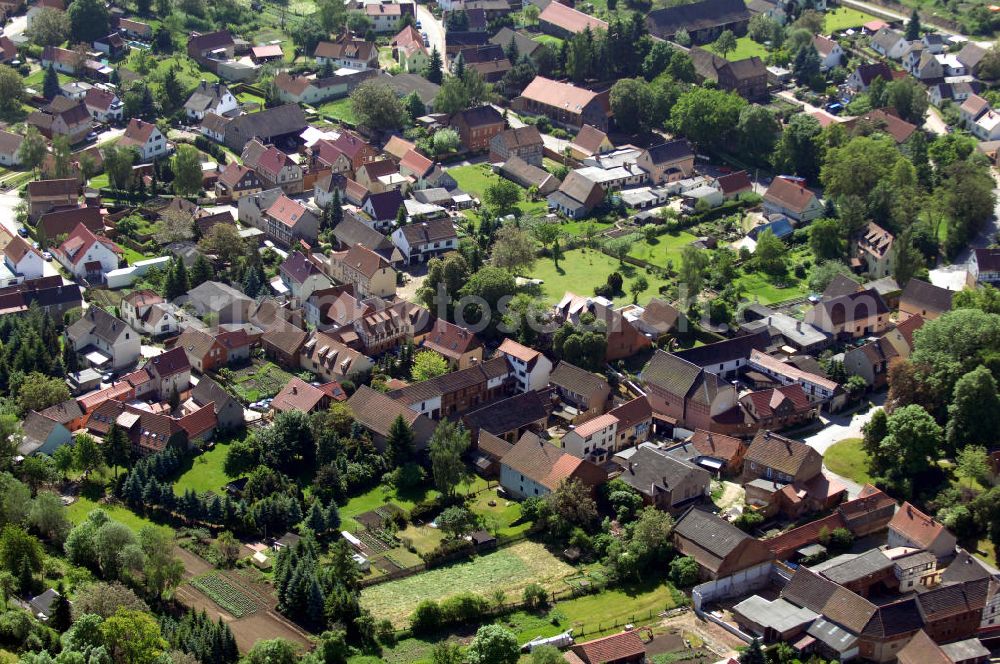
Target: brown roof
x=548, y=465
x=789, y=194
x=286, y=211
x=734, y=182
x=98, y=98
x=285, y=337
x=569, y=19
x=64, y=412
x=297, y=395
x=416, y=163
x=521, y=352
x=929, y=297
x=589, y=139
x=922, y=650
x=916, y=526
x=810, y=590
x=492, y=445
x=63, y=187
x=450, y=340
x=138, y=132
x=716, y=445
x=364, y=260
x=520, y=137
x=452, y=382
x=168, y=363
x=632, y=412
x=614, y=648
x=784, y=455
x=397, y=146
x=576, y=380
x=376, y=411
x=771, y=402
x=892, y=124
x=10, y=143
x=17, y=248
x=557, y=94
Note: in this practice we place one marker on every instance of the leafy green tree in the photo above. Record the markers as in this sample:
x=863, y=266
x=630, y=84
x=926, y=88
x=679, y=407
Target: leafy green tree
x=758, y=131
x=631, y=101
x=513, y=249
x=133, y=637
x=427, y=364
x=906, y=259
x=21, y=554
x=447, y=445
x=973, y=463
x=493, y=644
x=826, y=240
x=38, y=391
x=638, y=285
x=87, y=454
x=859, y=165
x=968, y=198
x=546, y=655
x=49, y=27
x=118, y=161
x=490, y=284
x=456, y=521
x=806, y=65
x=32, y=151
x=502, y=197
x=62, y=616
x=974, y=412
x=88, y=20
x=274, y=651
x=691, y=275
x=726, y=43
x=799, y=150
x=706, y=116
x=912, y=439
x=187, y=171
x=770, y=254
x=753, y=654
x=376, y=106
x=684, y=571
x=447, y=652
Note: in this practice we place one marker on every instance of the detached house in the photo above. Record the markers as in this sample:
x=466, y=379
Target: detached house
x=347, y=52
x=87, y=256
x=686, y=395
x=10, y=148
x=146, y=138
x=863, y=76
x=830, y=52
x=212, y=349
x=301, y=276
x=667, y=162
x=63, y=117
x=888, y=43
x=409, y=51
x=22, y=259
x=46, y=195
x=210, y=98
x=872, y=250
x=792, y=199
x=148, y=313
x=103, y=340
x=775, y=457
x=104, y=106
x=420, y=242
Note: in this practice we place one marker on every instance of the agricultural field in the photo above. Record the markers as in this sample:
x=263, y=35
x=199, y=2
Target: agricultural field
x=509, y=569
x=259, y=380
x=225, y=594
x=475, y=179
x=581, y=270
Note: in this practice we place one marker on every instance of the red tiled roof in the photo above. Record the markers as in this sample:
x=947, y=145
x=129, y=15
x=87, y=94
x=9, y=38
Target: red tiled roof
x=614, y=648
x=297, y=395
x=789, y=194
x=450, y=340
x=521, y=352
x=916, y=526
x=286, y=211
x=138, y=132
x=199, y=421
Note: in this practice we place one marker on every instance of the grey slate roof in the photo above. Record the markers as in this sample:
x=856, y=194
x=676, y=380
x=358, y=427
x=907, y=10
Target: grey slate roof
x=710, y=532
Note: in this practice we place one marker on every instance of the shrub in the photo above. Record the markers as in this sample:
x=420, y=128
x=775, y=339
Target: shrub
x=464, y=608
x=748, y=520
x=448, y=551
x=534, y=597
x=426, y=618
x=684, y=571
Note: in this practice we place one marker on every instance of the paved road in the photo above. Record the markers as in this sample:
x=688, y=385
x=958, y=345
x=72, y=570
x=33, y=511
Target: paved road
x=839, y=427
x=434, y=30
x=16, y=27
x=933, y=122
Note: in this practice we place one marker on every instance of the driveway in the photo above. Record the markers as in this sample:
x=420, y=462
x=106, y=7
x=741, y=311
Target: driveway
x=933, y=122
x=15, y=29
x=809, y=108
x=839, y=427
x=434, y=30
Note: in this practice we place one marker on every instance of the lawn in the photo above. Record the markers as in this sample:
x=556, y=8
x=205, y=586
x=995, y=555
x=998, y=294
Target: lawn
x=475, y=179
x=79, y=510
x=548, y=40
x=100, y=181
x=206, y=472
x=339, y=109
x=760, y=287
x=843, y=18
x=509, y=569
x=581, y=270
x=848, y=459
x=36, y=79
x=592, y=613
x=745, y=48
x=133, y=256
x=663, y=248
x=504, y=515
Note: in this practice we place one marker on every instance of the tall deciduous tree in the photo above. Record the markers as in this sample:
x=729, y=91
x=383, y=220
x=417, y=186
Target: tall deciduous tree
x=447, y=445
x=377, y=106
x=974, y=412
x=88, y=20
x=187, y=170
